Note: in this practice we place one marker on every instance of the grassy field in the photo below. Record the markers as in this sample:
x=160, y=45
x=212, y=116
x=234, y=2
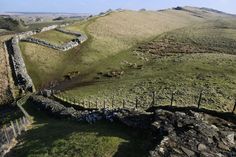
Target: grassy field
x=155, y=41
x=54, y=37
x=107, y=37
x=51, y=137
x=186, y=75
x=209, y=66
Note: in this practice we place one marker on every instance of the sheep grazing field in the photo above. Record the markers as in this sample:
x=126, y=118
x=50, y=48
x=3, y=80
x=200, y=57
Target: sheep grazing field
x=155, y=41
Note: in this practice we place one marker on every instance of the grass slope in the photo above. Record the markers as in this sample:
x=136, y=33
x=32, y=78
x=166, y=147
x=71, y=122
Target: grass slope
x=107, y=37
x=122, y=44
x=207, y=67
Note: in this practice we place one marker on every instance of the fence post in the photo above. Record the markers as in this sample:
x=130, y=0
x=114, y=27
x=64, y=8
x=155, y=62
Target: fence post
x=23, y=124
x=89, y=104
x=18, y=127
x=96, y=104
x=6, y=135
x=234, y=107
x=172, y=99
x=112, y=103
x=153, y=98
x=104, y=103
x=123, y=103
x=136, y=102
x=199, y=100
x=13, y=128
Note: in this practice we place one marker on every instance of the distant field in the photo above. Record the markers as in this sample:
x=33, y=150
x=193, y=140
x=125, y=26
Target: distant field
x=55, y=37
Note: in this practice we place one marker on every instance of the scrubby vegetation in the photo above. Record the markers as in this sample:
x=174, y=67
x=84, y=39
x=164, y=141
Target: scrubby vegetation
x=11, y=24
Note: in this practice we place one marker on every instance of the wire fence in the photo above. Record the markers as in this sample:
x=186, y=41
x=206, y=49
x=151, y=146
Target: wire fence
x=197, y=100
x=10, y=131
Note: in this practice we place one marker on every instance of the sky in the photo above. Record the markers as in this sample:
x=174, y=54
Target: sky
x=96, y=6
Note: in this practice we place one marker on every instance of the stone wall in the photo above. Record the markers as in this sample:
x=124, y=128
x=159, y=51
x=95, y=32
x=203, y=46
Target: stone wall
x=23, y=35
x=64, y=47
x=80, y=37
x=132, y=118
x=44, y=29
x=23, y=79
x=175, y=133
x=26, y=36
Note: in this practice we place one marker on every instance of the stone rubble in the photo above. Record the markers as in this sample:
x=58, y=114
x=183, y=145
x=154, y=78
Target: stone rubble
x=190, y=134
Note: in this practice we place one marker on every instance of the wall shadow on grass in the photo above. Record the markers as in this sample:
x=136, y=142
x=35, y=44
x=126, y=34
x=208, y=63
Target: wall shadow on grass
x=59, y=137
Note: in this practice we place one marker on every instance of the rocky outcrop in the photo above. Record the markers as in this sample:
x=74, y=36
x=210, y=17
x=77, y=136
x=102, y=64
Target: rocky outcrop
x=22, y=77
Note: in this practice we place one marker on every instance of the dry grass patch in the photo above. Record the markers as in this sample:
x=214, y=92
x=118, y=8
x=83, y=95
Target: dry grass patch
x=4, y=72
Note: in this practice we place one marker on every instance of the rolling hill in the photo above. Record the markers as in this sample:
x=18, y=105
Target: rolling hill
x=119, y=41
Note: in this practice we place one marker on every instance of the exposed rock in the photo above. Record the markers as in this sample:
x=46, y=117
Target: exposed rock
x=201, y=147
x=188, y=152
x=47, y=93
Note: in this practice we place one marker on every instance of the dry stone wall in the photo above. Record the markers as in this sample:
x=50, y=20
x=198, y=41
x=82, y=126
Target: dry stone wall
x=81, y=37
x=23, y=79
x=24, y=35
x=132, y=118
x=64, y=47
x=44, y=29
x=175, y=132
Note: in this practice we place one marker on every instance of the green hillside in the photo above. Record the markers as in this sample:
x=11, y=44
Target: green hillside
x=155, y=41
